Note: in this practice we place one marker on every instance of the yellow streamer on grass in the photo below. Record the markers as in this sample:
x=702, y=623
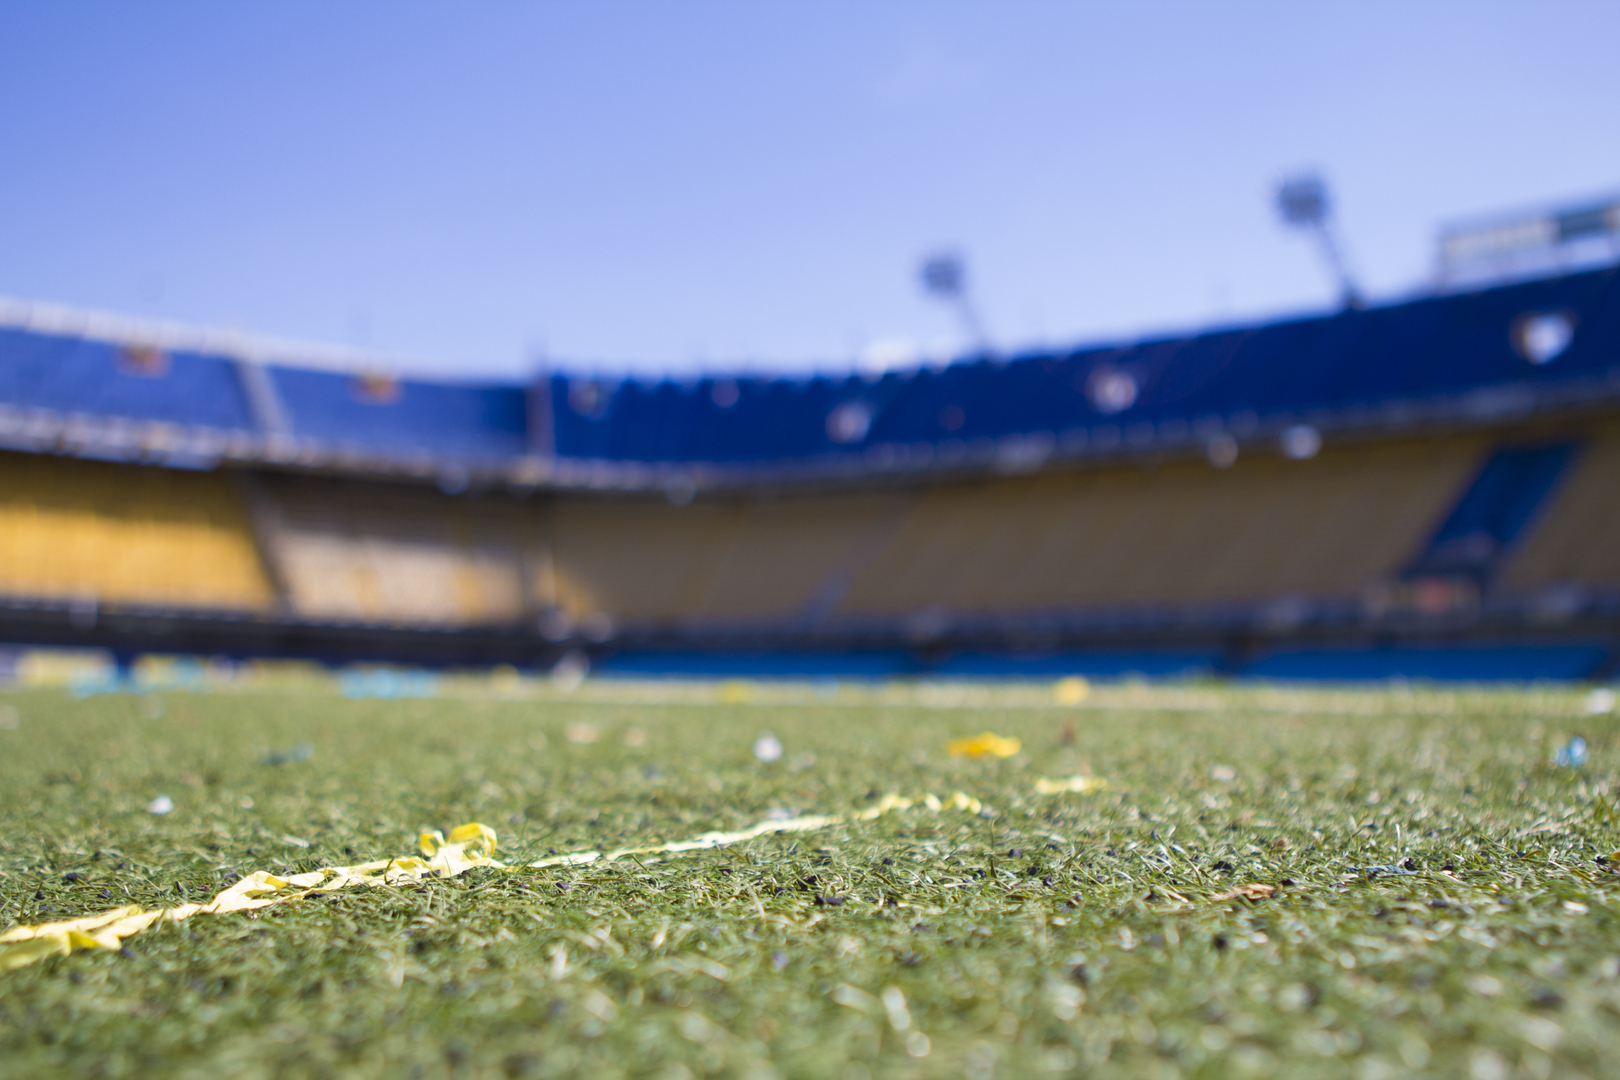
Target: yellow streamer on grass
x=468, y=846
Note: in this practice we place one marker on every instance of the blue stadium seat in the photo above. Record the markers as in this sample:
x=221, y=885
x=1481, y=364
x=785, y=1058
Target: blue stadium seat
x=1425, y=349
x=441, y=419
x=76, y=375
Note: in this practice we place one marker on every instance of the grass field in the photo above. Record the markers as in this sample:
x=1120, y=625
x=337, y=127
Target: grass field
x=1069, y=934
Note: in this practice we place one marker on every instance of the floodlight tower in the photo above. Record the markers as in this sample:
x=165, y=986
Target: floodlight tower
x=1302, y=201
x=944, y=275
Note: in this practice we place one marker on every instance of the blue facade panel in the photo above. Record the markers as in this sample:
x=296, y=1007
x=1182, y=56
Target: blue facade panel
x=859, y=666
x=1097, y=664
x=1461, y=663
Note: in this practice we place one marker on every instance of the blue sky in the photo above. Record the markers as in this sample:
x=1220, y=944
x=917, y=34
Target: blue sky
x=663, y=187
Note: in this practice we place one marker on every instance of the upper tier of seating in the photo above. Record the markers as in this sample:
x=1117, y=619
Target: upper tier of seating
x=1502, y=349
x=77, y=375
x=108, y=393
x=377, y=415
x=1541, y=334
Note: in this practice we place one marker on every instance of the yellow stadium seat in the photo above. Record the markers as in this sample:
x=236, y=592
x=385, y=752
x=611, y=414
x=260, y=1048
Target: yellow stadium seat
x=123, y=534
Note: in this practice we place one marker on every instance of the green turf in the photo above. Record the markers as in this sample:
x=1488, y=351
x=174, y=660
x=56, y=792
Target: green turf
x=1042, y=938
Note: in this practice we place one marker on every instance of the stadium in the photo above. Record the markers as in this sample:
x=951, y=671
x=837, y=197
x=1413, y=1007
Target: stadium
x=1237, y=701
x=1422, y=488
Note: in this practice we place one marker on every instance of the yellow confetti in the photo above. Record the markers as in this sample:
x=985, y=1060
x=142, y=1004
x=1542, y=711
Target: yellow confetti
x=1079, y=785
x=1070, y=691
x=958, y=801
x=736, y=692
x=985, y=745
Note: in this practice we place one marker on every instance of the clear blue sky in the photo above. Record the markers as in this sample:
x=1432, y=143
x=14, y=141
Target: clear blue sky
x=668, y=186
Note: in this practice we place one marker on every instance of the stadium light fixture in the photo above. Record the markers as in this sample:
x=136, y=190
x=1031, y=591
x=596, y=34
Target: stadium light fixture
x=944, y=275
x=1303, y=203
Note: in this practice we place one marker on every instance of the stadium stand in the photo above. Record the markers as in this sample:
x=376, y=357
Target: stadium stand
x=1423, y=488
x=1493, y=511
x=133, y=382
x=372, y=414
x=1462, y=354
x=88, y=532
x=1577, y=544
x=734, y=560
x=1171, y=535
x=392, y=554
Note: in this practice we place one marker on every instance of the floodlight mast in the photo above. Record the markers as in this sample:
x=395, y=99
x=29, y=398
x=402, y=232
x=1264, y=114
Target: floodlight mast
x=944, y=275
x=1302, y=201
